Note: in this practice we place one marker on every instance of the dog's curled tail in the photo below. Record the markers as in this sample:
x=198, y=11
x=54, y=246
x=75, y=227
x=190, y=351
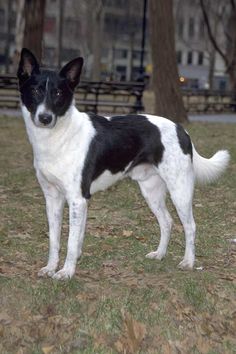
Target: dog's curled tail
x=208, y=170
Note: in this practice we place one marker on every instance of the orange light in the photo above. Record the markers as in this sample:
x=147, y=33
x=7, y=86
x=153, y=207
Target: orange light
x=181, y=79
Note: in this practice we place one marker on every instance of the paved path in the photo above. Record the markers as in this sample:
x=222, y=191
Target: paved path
x=215, y=118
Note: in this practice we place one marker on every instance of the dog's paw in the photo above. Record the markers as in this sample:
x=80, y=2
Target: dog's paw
x=46, y=272
x=155, y=255
x=63, y=274
x=186, y=264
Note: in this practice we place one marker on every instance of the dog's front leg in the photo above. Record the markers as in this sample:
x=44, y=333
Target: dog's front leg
x=77, y=215
x=54, y=205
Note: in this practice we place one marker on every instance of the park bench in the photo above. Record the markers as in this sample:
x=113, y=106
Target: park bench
x=123, y=97
x=103, y=96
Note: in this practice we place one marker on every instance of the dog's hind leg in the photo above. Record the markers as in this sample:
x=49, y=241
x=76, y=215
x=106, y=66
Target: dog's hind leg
x=154, y=191
x=181, y=192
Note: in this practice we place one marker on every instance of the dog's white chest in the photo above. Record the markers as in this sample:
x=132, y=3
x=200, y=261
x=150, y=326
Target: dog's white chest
x=56, y=172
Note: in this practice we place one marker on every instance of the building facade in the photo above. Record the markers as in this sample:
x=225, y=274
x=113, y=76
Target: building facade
x=74, y=28
x=200, y=67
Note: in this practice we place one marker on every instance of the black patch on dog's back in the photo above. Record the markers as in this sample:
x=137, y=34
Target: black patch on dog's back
x=119, y=141
x=184, y=140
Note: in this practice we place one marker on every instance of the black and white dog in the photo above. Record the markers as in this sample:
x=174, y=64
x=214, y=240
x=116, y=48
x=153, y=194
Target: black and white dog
x=77, y=154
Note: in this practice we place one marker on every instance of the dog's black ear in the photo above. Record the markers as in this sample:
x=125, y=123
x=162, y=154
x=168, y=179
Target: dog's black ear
x=28, y=64
x=72, y=71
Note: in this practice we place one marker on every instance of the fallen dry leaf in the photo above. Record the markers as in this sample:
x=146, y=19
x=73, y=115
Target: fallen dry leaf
x=141, y=239
x=4, y=318
x=203, y=345
x=127, y=233
x=133, y=335
x=20, y=351
x=48, y=349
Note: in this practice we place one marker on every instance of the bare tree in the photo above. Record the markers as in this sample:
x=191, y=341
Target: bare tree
x=20, y=25
x=201, y=42
x=33, y=29
x=100, y=33
x=8, y=35
x=19, y=32
x=97, y=17
x=168, y=98
x=226, y=48
x=91, y=17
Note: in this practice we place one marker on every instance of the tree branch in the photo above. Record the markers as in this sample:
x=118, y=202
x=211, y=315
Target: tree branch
x=233, y=5
x=211, y=36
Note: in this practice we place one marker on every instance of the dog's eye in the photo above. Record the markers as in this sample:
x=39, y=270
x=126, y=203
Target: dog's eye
x=58, y=93
x=36, y=91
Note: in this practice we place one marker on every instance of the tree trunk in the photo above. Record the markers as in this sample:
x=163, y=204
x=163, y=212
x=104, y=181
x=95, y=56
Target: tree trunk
x=97, y=40
x=8, y=38
x=168, y=98
x=20, y=25
x=34, y=21
x=129, y=76
x=60, y=34
x=231, y=54
x=228, y=55
x=211, y=68
x=232, y=80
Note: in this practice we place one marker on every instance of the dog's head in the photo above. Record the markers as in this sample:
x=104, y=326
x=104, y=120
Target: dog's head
x=47, y=94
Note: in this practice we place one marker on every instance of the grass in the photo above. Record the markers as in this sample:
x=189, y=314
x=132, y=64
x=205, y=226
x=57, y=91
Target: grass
x=118, y=301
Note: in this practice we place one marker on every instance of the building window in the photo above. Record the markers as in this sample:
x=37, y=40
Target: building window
x=193, y=83
x=201, y=29
x=12, y=21
x=2, y=59
x=68, y=53
x=191, y=27
x=121, y=53
x=50, y=56
x=190, y=58
x=179, y=57
x=222, y=85
x=180, y=28
x=71, y=28
x=2, y=19
x=121, y=72
x=105, y=53
x=135, y=73
x=115, y=24
x=136, y=54
x=50, y=24
x=200, y=58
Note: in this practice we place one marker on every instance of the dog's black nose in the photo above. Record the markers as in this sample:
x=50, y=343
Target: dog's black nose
x=45, y=118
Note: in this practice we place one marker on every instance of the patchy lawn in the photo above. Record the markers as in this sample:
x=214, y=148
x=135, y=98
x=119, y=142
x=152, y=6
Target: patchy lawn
x=119, y=301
